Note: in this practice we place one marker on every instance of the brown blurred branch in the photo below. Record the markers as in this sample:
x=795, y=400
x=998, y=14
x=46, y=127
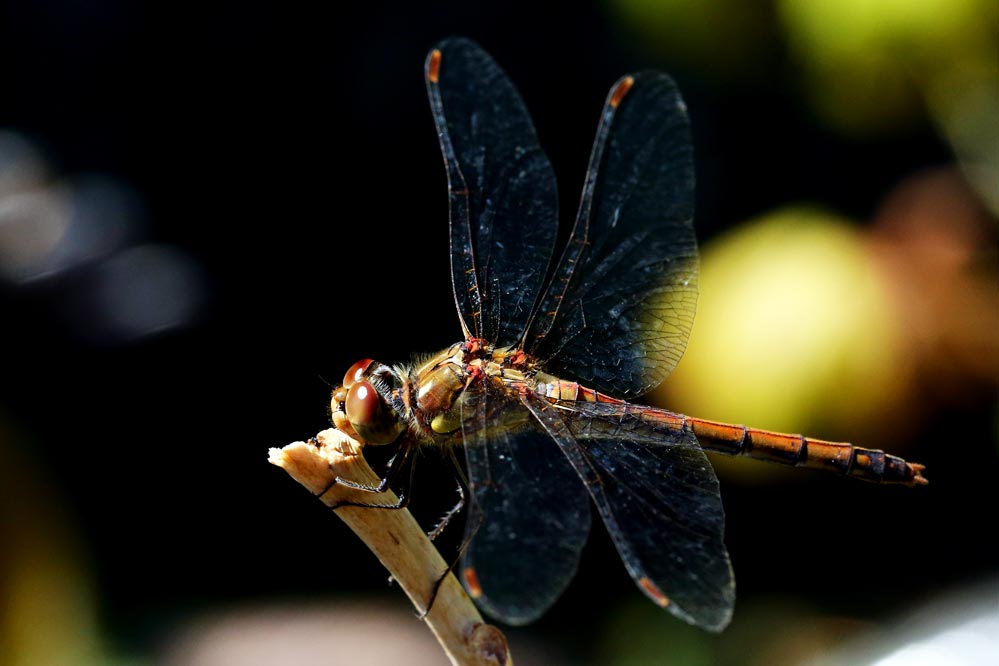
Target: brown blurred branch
x=400, y=544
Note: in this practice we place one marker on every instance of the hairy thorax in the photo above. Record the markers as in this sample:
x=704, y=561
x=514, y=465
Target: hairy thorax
x=439, y=389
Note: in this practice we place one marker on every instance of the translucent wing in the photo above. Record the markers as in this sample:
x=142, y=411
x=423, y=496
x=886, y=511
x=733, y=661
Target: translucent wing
x=658, y=497
x=619, y=310
x=530, y=515
x=501, y=188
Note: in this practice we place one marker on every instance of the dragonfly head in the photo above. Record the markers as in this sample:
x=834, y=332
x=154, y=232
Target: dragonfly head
x=363, y=407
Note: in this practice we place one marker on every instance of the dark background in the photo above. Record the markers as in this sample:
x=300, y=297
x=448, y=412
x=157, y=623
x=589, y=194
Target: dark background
x=290, y=153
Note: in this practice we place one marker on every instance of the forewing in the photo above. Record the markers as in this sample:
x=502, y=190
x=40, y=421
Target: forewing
x=618, y=313
x=658, y=497
x=501, y=188
x=529, y=516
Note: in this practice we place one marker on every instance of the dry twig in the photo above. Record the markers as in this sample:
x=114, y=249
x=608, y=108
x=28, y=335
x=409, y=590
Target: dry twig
x=400, y=544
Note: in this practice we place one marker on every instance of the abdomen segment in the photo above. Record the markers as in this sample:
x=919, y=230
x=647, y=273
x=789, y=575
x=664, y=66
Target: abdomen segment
x=839, y=457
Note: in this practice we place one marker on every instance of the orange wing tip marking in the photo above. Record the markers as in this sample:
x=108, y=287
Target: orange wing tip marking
x=650, y=589
x=620, y=90
x=472, y=582
x=434, y=66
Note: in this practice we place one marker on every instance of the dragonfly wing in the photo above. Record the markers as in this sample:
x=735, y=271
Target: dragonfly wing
x=658, y=497
x=530, y=515
x=620, y=307
x=501, y=188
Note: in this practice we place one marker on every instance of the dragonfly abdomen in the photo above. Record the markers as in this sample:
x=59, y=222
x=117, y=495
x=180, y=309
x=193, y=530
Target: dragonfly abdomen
x=800, y=451
x=737, y=440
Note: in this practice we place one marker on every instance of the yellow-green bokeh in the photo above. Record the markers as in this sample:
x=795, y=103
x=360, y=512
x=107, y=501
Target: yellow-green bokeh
x=726, y=38
x=794, y=331
x=867, y=66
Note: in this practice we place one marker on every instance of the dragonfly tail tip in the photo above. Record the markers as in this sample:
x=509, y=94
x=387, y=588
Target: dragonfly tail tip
x=917, y=475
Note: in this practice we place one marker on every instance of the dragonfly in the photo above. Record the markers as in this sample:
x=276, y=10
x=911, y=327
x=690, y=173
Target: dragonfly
x=540, y=392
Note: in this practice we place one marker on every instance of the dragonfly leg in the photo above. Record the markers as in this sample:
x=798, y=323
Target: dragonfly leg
x=453, y=511
x=396, y=465
x=475, y=518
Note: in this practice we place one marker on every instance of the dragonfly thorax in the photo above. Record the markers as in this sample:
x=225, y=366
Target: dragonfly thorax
x=443, y=384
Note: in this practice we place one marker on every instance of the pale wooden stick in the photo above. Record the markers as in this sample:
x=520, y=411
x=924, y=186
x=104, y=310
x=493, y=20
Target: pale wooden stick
x=400, y=544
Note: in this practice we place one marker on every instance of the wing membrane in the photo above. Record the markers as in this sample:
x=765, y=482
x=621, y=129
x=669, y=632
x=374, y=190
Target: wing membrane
x=530, y=514
x=501, y=188
x=658, y=497
x=619, y=310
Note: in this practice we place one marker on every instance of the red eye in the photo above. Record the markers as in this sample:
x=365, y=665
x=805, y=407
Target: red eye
x=370, y=416
x=356, y=372
x=362, y=404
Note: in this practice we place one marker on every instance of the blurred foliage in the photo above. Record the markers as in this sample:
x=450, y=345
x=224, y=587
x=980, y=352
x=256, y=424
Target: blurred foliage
x=767, y=631
x=866, y=68
x=965, y=104
x=48, y=614
x=867, y=64
x=637, y=635
x=726, y=38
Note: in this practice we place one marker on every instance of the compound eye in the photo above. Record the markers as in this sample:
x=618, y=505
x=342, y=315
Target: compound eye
x=370, y=416
x=362, y=404
x=356, y=372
